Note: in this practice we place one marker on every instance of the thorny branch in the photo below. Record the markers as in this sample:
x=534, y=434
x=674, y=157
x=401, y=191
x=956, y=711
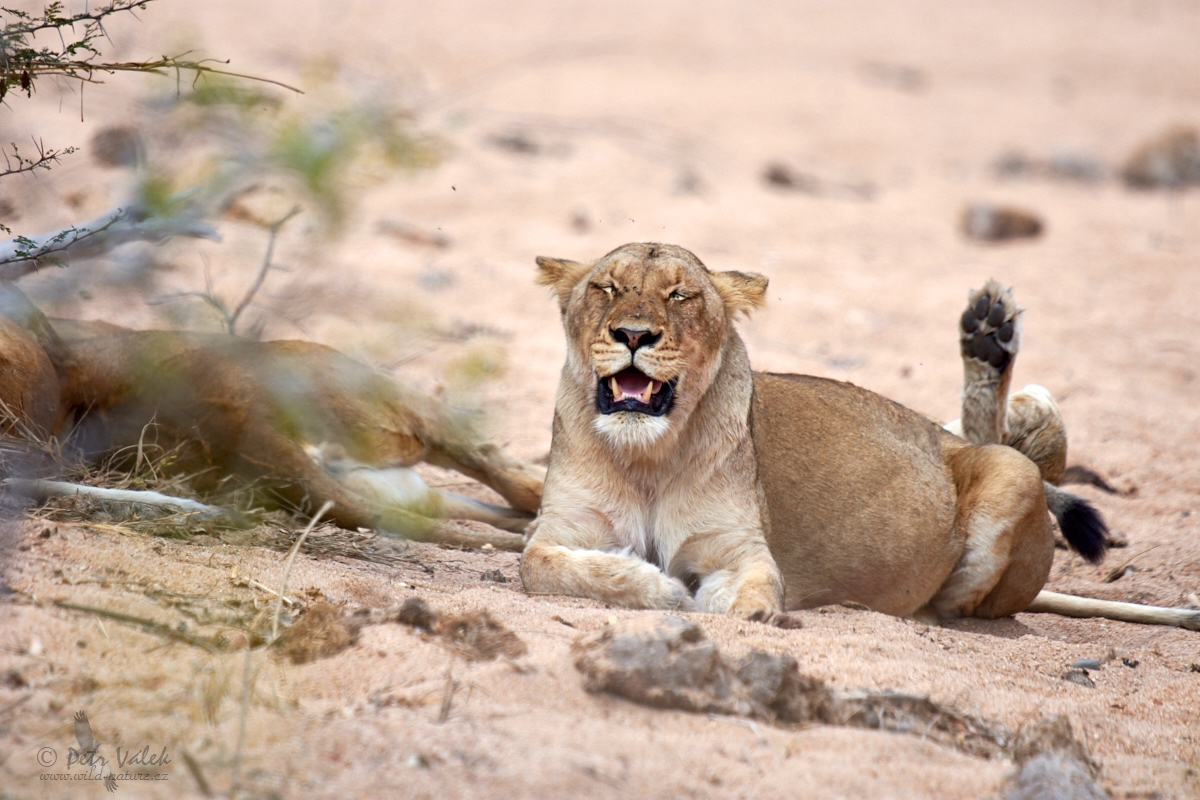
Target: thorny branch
x=43, y=161
x=230, y=318
x=262, y=273
x=22, y=255
x=22, y=63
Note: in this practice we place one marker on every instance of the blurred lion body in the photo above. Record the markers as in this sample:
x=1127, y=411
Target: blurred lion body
x=255, y=410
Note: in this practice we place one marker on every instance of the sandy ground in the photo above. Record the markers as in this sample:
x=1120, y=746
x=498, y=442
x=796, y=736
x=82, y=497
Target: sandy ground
x=569, y=129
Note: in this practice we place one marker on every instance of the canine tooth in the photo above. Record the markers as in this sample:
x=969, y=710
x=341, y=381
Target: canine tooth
x=616, y=388
x=645, y=398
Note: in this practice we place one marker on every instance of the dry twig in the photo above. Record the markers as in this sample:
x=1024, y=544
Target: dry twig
x=148, y=625
x=44, y=490
x=287, y=569
x=22, y=255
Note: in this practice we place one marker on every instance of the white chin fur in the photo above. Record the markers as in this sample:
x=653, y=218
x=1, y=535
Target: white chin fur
x=628, y=430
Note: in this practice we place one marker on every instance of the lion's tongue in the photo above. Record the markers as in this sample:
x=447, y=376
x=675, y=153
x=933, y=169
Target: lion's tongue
x=632, y=384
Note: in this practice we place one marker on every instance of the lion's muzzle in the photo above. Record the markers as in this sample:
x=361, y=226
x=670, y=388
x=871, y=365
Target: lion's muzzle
x=630, y=390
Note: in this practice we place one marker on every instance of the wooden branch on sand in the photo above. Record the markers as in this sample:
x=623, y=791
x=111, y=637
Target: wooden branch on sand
x=22, y=255
x=44, y=490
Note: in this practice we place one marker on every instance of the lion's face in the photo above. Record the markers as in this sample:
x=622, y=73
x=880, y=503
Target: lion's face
x=646, y=328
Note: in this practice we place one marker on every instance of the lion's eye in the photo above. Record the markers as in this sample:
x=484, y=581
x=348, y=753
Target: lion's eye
x=608, y=290
x=678, y=296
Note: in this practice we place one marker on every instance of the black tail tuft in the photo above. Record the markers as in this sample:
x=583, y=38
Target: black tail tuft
x=1081, y=524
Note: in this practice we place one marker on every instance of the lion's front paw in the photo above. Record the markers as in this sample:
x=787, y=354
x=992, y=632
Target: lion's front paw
x=669, y=593
x=989, y=329
x=754, y=594
x=756, y=607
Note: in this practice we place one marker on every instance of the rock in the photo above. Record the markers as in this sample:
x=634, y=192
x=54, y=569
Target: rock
x=1063, y=165
x=668, y=663
x=416, y=613
x=1171, y=161
x=1052, y=763
x=988, y=223
x=474, y=635
x=478, y=637
x=118, y=146
x=781, y=176
x=324, y=630
x=1085, y=663
x=1053, y=776
x=1080, y=677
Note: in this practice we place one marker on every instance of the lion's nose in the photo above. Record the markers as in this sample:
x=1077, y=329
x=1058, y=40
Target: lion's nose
x=635, y=339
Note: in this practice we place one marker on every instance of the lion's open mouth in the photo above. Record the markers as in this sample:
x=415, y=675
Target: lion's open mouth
x=630, y=390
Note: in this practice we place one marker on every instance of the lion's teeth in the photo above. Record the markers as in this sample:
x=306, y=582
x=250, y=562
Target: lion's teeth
x=616, y=388
x=645, y=398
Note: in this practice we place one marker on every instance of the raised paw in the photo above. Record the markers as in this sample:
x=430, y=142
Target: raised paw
x=990, y=328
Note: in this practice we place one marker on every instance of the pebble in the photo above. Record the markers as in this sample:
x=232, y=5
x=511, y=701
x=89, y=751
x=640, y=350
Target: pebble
x=989, y=223
x=1085, y=663
x=1080, y=677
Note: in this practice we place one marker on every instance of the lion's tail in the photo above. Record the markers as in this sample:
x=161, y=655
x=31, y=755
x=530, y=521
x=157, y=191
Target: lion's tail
x=1080, y=522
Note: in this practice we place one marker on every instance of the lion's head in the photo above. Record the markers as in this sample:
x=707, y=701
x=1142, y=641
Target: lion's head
x=647, y=327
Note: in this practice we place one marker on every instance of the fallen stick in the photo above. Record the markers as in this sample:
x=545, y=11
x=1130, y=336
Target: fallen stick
x=1071, y=606
x=44, y=490
x=148, y=625
x=22, y=255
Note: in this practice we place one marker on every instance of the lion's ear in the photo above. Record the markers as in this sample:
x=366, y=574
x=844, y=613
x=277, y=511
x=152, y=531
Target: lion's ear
x=561, y=275
x=742, y=291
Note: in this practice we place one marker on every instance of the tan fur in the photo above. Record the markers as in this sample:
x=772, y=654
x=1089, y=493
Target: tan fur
x=858, y=498
x=250, y=409
x=28, y=385
x=635, y=511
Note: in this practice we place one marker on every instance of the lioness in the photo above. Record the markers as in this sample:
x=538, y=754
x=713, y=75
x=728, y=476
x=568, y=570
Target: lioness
x=680, y=479
x=301, y=422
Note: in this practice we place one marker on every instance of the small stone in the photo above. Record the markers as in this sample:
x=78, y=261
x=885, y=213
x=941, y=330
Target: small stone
x=416, y=613
x=1130, y=662
x=1085, y=663
x=1172, y=161
x=1080, y=677
x=988, y=223
x=494, y=575
x=118, y=146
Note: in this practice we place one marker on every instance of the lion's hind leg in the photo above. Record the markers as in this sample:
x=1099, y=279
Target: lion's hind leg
x=1036, y=429
x=1029, y=421
x=403, y=488
x=1008, y=546
x=989, y=337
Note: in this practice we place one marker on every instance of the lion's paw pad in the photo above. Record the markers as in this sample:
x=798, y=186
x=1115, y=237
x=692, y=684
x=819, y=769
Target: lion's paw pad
x=989, y=329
